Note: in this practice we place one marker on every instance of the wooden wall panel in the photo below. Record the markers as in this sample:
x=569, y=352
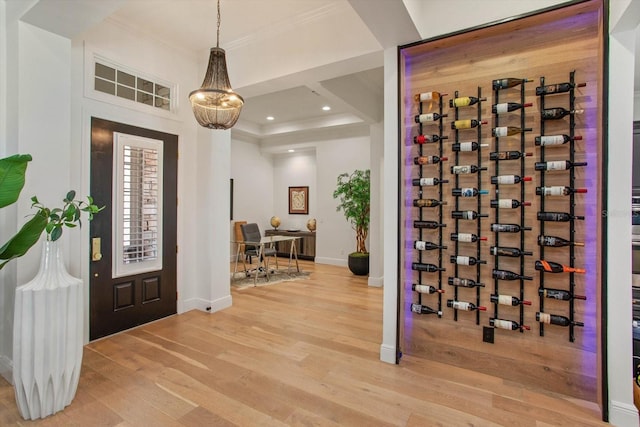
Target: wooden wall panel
x=551, y=44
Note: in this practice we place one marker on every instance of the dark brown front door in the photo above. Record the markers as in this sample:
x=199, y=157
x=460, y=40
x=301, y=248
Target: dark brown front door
x=133, y=240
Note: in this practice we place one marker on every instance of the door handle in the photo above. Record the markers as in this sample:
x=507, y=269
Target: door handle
x=96, y=254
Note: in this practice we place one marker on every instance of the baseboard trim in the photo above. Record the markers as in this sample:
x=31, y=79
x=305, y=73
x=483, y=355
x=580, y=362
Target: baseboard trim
x=623, y=414
x=208, y=306
x=332, y=261
x=376, y=282
x=388, y=354
x=6, y=369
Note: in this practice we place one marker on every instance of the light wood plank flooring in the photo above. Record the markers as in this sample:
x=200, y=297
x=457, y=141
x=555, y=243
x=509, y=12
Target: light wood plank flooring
x=302, y=353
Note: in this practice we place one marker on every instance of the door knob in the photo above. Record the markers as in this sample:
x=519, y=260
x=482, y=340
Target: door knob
x=96, y=254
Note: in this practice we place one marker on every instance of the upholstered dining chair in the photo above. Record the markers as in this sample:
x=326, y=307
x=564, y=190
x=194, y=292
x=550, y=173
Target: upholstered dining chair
x=251, y=233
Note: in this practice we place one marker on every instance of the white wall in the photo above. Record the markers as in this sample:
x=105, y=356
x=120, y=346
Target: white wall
x=294, y=170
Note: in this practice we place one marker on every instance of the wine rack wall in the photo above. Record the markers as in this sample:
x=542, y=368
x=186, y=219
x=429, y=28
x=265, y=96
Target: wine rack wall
x=501, y=167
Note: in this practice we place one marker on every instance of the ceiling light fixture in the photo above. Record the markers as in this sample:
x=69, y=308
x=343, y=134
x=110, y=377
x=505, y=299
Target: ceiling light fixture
x=326, y=108
x=215, y=105
x=270, y=118
x=291, y=150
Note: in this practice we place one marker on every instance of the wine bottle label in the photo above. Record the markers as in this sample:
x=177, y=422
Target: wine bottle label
x=428, y=117
x=501, y=131
x=548, y=241
x=552, y=140
x=467, y=215
x=461, y=305
x=557, y=166
x=463, y=260
x=504, y=228
x=552, y=294
x=544, y=318
x=502, y=324
x=462, y=102
x=420, y=245
x=427, y=96
x=506, y=179
x=415, y=308
x=462, y=124
x=427, y=181
x=501, y=274
x=465, y=237
x=557, y=190
x=505, y=299
x=466, y=192
x=461, y=169
x=505, y=203
x=466, y=146
x=423, y=289
x=502, y=108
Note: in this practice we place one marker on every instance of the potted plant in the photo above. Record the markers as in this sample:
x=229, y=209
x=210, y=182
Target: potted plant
x=353, y=193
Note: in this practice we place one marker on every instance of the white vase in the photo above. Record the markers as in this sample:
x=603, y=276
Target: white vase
x=47, y=338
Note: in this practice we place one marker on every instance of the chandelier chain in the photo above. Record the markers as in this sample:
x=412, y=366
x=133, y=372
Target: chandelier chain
x=218, y=33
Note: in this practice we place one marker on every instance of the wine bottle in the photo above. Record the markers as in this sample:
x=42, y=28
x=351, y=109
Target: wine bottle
x=508, y=131
x=464, y=305
x=422, y=245
x=429, y=268
x=432, y=225
x=508, y=203
x=428, y=139
x=465, y=101
x=507, y=107
x=508, y=251
x=428, y=160
x=555, y=267
x=558, y=190
x=508, y=82
x=557, y=88
x=508, y=300
x=467, y=124
x=467, y=215
x=464, y=169
x=556, y=241
x=507, y=228
x=423, y=309
x=426, y=289
x=464, y=283
x=508, y=275
x=467, y=192
x=467, y=146
x=557, y=216
x=509, y=179
x=557, y=165
x=555, y=319
x=506, y=324
x=428, y=96
x=557, y=113
x=559, y=294
x=466, y=260
x=545, y=140
x=508, y=155
x=428, y=203
x=427, y=182
x=428, y=117
x=466, y=237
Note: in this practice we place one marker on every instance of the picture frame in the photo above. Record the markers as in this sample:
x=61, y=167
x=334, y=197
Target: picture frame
x=299, y=200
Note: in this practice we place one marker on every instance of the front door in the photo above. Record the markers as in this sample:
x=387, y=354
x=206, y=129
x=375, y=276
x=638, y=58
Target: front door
x=133, y=240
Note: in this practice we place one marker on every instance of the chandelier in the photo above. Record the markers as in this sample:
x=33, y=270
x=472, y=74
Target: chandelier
x=215, y=105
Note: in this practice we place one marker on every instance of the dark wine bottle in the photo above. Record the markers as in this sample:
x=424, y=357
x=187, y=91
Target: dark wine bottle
x=556, y=267
x=428, y=139
x=555, y=319
x=508, y=275
x=557, y=165
x=508, y=203
x=426, y=182
x=508, y=155
x=559, y=190
x=422, y=245
x=557, y=216
x=508, y=131
x=557, y=88
x=559, y=294
x=467, y=192
x=508, y=300
x=507, y=228
x=467, y=146
x=506, y=324
x=508, y=82
x=467, y=124
x=429, y=268
x=428, y=96
x=464, y=305
x=464, y=283
x=464, y=169
x=428, y=117
x=557, y=113
x=464, y=101
x=423, y=309
x=545, y=140
x=467, y=215
x=509, y=179
x=466, y=237
x=426, y=289
x=507, y=107
x=428, y=160
x=428, y=203
x=508, y=251
x=466, y=260
x=556, y=241
x=432, y=225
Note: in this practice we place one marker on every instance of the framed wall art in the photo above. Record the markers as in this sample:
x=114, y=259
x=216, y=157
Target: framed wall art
x=299, y=200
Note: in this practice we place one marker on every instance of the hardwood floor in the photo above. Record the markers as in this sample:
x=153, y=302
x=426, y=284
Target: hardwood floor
x=302, y=353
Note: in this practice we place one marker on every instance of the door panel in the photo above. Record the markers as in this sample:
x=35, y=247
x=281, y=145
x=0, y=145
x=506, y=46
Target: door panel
x=122, y=301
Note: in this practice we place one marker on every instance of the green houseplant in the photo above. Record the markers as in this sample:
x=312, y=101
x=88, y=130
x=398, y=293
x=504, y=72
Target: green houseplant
x=353, y=191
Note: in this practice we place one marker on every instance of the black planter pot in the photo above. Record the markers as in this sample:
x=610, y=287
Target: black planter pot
x=359, y=264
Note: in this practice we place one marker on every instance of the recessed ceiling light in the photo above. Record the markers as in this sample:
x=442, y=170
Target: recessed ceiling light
x=326, y=108
x=291, y=150
x=270, y=118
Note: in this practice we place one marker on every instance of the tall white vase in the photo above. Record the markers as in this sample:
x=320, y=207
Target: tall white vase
x=47, y=338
